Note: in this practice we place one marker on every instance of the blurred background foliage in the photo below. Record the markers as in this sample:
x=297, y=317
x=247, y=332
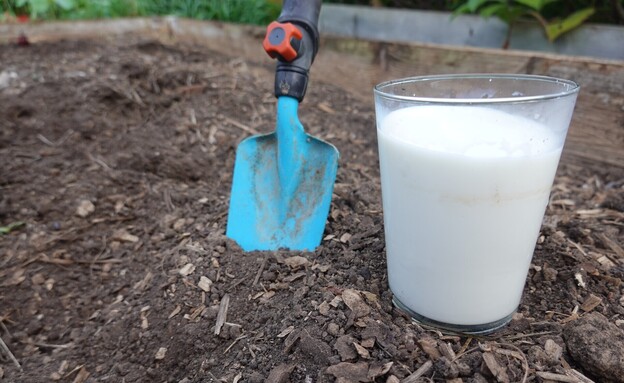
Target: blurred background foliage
x=240, y=11
x=558, y=15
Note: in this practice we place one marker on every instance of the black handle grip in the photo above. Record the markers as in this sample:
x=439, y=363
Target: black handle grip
x=291, y=78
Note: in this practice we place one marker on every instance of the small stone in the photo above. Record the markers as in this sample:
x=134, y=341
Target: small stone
x=324, y=308
x=597, y=345
x=54, y=376
x=85, y=208
x=187, y=269
x=204, y=283
x=160, y=354
x=333, y=329
x=550, y=274
x=393, y=379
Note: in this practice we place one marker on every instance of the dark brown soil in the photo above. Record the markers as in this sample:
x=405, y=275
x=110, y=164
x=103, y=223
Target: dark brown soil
x=118, y=158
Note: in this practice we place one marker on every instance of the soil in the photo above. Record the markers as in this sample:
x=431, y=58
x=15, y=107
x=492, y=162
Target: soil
x=118, y=156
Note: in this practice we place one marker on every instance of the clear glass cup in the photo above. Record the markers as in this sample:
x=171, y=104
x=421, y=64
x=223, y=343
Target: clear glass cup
x=467, y=163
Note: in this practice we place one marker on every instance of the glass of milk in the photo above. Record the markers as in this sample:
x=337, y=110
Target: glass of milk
x=467, y=163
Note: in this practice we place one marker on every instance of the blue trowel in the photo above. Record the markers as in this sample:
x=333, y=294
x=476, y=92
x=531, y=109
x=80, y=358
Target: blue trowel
x=283, y=181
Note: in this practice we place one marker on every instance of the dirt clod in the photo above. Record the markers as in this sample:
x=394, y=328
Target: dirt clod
x=597, y=345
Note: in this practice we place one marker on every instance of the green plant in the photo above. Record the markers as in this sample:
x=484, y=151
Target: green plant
x=511, y=11
x=241, y=11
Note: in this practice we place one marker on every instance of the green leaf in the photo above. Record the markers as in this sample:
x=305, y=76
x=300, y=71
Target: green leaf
x=473, y=5
x=533, y=4
x=556, y=29
x=39, y=7
x=492, y=10
x=65, y=4
x=10, y=227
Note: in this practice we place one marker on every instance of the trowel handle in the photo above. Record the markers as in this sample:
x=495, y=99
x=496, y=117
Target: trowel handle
x=293, y=40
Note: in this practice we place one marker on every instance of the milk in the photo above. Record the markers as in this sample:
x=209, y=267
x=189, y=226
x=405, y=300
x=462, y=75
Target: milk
x=464, y=192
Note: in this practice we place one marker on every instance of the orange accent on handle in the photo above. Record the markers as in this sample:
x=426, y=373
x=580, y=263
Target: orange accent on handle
x=283, y=47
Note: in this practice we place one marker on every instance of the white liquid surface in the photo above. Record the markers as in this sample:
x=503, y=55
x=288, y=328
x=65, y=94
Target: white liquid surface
x=464, y=193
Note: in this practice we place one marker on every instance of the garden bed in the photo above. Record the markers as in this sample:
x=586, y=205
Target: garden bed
x=117, y=155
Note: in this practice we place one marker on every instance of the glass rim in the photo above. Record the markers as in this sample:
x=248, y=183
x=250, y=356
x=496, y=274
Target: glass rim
x=573, y=88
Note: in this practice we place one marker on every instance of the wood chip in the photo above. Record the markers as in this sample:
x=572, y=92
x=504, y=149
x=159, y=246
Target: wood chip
x=613, y=245
x=430, y=347
x=335, y=302
x=297, y=262
x=368, y=343
x=161, y=353
x=591, y=303
x=345, y=237
x=321, y=268
x=325, y=107
x=222, y=315
x=580, y=377
x=294, y=277
x=187, y=269
x=447, y=351
x=286, y=331
x=499, y=372
x=204, y=283
x=361, y=351
x=377, y=369
x=123, y=236
x=175, y=311
x=82, y=376
x=556, y=377
x=422, y=370
x=579, y=279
